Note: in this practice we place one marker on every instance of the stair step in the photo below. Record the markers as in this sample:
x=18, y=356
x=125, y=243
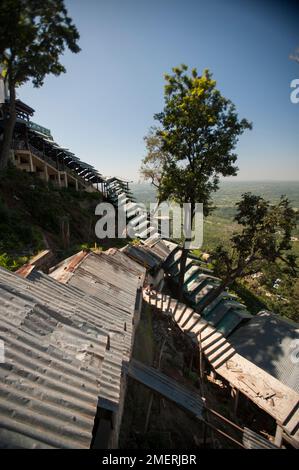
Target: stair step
x=213, y=343
x=191, y=321
x=202, y=326
x=218, y=352
x=141, y=226
x=208, y=333
x=291, y=423
x=179, y=312
x=224, y=358
x=139, y=218
x=185, y=317
x=196, y=325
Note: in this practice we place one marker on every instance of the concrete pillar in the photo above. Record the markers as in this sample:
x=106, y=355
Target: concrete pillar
x=77, y=186
x=31, y=162
x=58, y=179
x=46, y=173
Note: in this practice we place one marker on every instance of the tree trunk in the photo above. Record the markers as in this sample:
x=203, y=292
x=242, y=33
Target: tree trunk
x=9, y=124
x=188, y=223
x=183, y=261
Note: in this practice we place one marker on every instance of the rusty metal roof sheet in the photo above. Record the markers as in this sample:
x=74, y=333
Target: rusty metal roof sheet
x=143, y=255
x=65, y=344
x=50, y=379
x=113, y=285
x=159, y=248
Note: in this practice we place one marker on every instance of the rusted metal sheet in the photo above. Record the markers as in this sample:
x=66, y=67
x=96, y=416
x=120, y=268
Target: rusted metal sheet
x=143, y=255
x=114, y=286
x=50, y=379
x=64, y=269
x=65, y=343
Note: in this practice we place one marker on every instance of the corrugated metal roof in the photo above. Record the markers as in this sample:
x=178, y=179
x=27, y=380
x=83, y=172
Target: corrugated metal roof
x=159, y=248
x=143, y=255
x=57, y=365
x=50, y=380
x=269, y=341
x=114, y=286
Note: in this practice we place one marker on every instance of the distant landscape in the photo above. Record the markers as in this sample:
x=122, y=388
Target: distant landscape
x=220, y=225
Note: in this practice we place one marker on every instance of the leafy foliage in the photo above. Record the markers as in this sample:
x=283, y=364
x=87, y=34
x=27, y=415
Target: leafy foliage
x=265, y=238
x=153, y=163
x=199, y=131
x=33, y=35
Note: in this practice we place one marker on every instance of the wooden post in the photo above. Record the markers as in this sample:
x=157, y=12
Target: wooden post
x=200, y=358
x=237, y=393
x=46, y=172
x=31, y=162
x=148, y=414
x=278, y=435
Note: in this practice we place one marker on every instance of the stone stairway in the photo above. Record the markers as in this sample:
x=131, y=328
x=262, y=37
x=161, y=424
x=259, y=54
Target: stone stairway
x=214, y=345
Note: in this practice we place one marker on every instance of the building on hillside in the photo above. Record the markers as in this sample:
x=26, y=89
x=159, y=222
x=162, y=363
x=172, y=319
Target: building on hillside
x=34, y=150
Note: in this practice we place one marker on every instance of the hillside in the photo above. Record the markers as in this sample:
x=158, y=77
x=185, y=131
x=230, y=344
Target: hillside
x=32, y=214
x=257, y=294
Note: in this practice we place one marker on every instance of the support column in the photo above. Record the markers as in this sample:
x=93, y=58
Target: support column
x=46, y=172
x=236, y=402
x=278, y=435
x=77, y=187
x=31, y=162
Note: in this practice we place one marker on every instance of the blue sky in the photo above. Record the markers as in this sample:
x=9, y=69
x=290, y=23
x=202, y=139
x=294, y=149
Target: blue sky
x=103, y=106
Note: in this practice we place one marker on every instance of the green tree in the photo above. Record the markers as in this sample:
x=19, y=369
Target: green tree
x=33, y=35
x=199, y=132
x=262, y=243
x=153, y=163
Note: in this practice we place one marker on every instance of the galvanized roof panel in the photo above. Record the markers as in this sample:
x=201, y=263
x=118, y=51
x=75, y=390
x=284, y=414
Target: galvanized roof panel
x=142, y=255
x=269, y=341
x=50, y=379
x=57, y=365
